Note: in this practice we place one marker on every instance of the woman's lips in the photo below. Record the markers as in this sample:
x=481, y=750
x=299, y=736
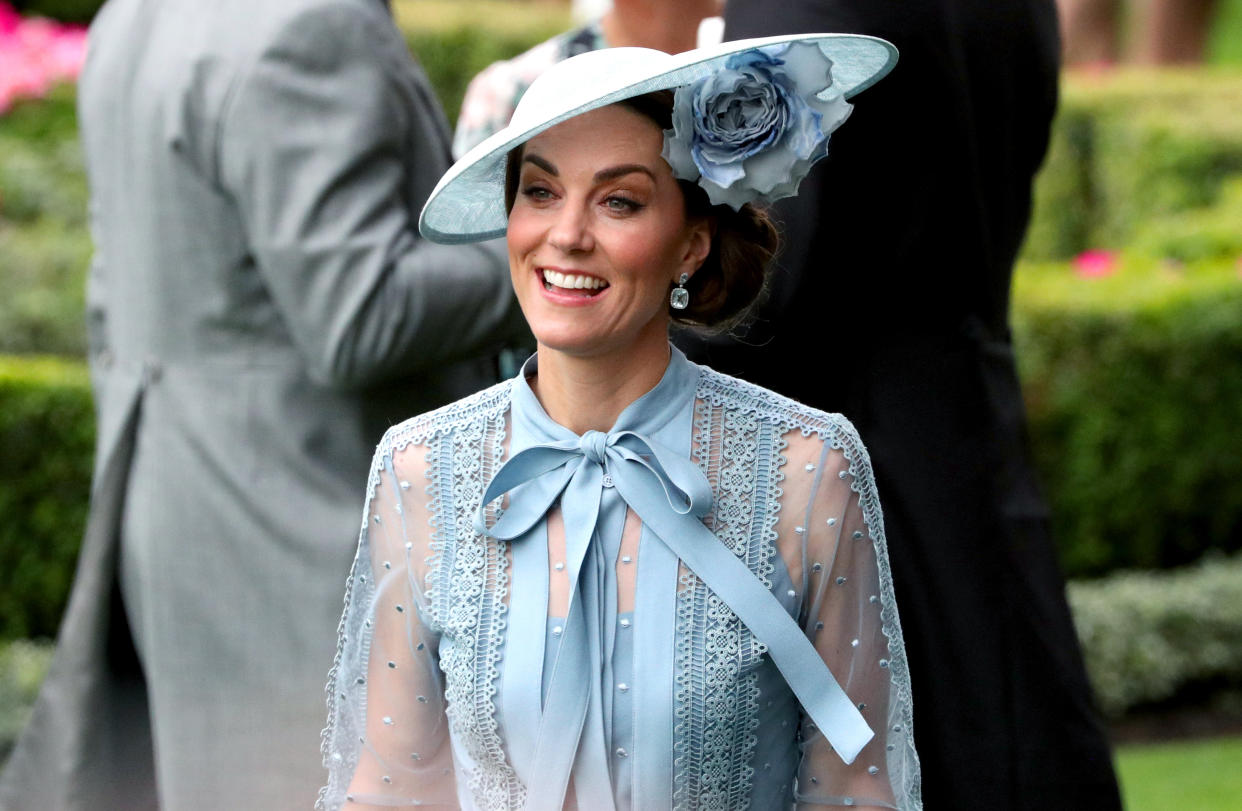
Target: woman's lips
x=567, y=286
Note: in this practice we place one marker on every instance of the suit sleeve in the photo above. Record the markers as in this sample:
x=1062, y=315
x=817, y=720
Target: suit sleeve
x=314, y=150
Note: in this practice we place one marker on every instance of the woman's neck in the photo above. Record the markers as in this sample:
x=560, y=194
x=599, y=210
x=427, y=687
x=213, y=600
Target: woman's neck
x=589, y=393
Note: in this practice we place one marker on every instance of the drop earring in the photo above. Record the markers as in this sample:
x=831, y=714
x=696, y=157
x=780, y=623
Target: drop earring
x=679, y=297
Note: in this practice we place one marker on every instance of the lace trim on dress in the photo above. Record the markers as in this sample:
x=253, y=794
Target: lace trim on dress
x=466, y=592
x=723, y=391
x=717, y=711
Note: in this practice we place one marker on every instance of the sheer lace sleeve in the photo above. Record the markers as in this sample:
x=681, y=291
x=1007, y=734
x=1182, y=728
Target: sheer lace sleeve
x=387, y=741
x=833, y=543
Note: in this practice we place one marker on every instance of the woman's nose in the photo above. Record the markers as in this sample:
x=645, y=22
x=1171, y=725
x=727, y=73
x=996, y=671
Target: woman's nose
x=571, y=233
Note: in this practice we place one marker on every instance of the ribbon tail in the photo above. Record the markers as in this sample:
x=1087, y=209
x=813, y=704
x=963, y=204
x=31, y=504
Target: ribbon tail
x=685, y=487
x=540, y=489
x=820, y=694
x=561, y=727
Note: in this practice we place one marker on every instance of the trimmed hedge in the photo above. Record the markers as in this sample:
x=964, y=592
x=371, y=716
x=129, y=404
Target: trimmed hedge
x=1148, y=636
x=44, y=243
x=47, y=433
x=1130, y=150
x=1134, y=394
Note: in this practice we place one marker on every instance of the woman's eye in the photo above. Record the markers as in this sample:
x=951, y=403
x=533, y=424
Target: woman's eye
x=621, y=204
x=536, y=193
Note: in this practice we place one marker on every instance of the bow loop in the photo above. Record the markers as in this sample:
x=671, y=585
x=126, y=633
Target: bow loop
x=685, y=486
x=594, y=446
x=544, y=471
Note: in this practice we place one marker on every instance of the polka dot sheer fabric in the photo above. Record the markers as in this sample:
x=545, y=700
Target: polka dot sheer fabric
x=583, y=662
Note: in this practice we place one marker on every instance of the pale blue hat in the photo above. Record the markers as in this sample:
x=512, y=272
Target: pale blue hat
x=468, y=204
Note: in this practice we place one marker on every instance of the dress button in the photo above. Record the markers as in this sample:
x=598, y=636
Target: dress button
x=625, y=623
x=623, y=687
x=621, y=752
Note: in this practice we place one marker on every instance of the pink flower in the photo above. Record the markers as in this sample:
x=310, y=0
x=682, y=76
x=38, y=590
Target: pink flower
x=1094, y=264
x=34, y=54
x=9, y=19
x=67, y=52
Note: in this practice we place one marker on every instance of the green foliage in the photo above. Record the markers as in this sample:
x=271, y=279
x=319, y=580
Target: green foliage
x=452, y=58
x=22, y=666
x=68, y=11
x=47, y=433
x=44, y=243
x=453, y=42
x=1133, y=394
x=1225, y=40
x=1147, y=636
x=1130, y=150
x=1200, y=775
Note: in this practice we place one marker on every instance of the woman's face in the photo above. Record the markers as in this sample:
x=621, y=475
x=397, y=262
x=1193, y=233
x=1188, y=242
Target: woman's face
x=597, y=233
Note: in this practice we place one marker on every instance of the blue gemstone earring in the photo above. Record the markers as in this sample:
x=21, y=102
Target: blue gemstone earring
x=679, y=297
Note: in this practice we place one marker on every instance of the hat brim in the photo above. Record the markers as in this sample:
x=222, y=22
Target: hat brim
x=467, y=205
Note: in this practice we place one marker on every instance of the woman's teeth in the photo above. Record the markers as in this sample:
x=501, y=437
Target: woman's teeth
x=571, y=281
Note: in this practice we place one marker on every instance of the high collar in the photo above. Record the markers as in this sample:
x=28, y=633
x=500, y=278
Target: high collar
x=648, y=414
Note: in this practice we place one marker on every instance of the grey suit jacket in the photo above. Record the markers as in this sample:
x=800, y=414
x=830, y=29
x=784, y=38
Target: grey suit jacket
x=261, y=308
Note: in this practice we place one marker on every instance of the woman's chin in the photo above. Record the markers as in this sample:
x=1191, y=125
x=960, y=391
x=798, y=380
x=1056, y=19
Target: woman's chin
x=575, y=344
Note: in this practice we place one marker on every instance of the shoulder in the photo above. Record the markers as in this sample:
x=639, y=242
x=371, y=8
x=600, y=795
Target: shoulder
x=731, y=393
x=267, y=39
x=807, y=434
x=466, y=414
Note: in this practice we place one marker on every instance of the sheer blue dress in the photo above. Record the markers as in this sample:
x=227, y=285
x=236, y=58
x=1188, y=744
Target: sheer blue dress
x=693, y=610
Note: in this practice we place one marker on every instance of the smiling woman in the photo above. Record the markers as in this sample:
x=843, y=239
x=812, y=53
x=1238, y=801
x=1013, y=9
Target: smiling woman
x=622, y=580
x=598, y=235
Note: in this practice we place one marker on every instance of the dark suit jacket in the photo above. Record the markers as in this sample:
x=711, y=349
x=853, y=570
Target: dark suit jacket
x=894, y=278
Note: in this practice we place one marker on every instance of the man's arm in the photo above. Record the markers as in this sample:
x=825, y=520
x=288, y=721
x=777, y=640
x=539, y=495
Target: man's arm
x=313, y=149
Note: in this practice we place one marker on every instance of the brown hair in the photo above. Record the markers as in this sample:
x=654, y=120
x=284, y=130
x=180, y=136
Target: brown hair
x=733, y=276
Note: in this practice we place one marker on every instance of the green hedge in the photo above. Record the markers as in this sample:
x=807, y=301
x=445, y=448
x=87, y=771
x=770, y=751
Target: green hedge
x=47, y=433
x=44, y=243
x=1131, y=150
x=1148, y=636
x=1134, y=393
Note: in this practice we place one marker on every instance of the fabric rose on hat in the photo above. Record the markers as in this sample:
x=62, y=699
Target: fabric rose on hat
x=751, y=131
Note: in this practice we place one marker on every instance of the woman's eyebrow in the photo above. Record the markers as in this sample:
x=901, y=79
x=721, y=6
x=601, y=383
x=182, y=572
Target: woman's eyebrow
x=541, y=163
x=615, y=172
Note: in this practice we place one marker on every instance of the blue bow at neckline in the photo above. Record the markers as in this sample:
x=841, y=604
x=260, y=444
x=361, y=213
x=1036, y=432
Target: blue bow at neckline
x=686, y=490
x=671, y=495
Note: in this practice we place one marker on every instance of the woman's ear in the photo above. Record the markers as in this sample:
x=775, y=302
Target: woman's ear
x=700, y=232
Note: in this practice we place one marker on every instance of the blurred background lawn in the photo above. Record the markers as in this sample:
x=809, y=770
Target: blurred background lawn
x=1128, y=323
